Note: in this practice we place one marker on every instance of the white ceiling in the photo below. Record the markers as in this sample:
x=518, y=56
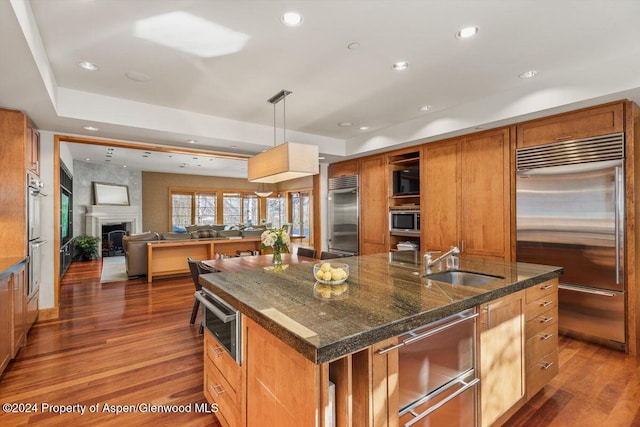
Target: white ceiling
x=585, y=52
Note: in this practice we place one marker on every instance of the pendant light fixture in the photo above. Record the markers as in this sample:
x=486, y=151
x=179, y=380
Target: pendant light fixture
x=286, y=161
x=262, y=191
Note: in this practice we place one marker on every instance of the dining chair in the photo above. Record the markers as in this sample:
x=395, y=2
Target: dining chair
x=197, y=268
x=307, y=252
x=330, y=255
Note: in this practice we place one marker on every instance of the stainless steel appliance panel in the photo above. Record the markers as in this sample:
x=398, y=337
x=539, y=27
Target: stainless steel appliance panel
x=343, y=215
x=434, y=356
x=590, y=312
x=571, y=216
x=223, y=321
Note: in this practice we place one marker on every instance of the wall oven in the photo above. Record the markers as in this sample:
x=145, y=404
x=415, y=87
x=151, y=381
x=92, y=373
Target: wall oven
x=222, y=321
x=34, y=243
x=404, y=222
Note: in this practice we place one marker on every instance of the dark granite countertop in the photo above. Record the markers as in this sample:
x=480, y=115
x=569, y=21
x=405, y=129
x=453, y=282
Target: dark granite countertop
x=385, y=298
x=7, y=265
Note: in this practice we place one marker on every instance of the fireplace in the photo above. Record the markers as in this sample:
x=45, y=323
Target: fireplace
x=112, y=218
x=112, y=235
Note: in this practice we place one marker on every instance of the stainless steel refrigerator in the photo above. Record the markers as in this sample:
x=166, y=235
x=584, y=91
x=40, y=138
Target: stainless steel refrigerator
x=570, y=213
x=342, y=210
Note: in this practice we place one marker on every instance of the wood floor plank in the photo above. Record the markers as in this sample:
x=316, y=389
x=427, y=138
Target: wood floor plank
x=120, y=343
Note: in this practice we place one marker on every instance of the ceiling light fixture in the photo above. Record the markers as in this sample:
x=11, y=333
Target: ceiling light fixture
x=90, y=128
x=528, y=74
x=353, y=46
x=425, y=108
x=291, y=19
x=364, y=127
x=90, y=66
x=191, y=141
x=399, y=66
x=286, y=161
x=467, y=32
x=137, y=76
x=345, y=124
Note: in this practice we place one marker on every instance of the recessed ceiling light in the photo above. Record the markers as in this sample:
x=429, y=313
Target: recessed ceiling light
x=425, y=108
x=191, y=141
x=364, y=127
x=90, y=128
x=345, y=124
x=399, y=66
x=88, y=65
x=467, y=32
x=124, y=166
x=353, y=46
x=145, y=155
x=528, y=74
x=321, y=158
x=137, y=76
x=291, y=19
x=87, y=159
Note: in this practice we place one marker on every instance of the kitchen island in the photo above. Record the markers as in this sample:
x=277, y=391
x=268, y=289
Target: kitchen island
x=304, y=341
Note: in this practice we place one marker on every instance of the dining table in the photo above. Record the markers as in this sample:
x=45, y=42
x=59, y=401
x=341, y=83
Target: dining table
x=254, y=261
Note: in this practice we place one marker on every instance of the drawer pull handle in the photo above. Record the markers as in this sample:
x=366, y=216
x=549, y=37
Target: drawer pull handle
x=546, y=287
x=216, y=350
x=564, y=138
x=217, y=389
x=546, y=319
x=546, y=303
x=546, y=337
x=546, y=365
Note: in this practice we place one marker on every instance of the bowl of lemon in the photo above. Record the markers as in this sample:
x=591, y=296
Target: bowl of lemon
x=331, y=273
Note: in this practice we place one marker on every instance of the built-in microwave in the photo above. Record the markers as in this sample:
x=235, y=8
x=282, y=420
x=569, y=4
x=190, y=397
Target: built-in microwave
x=404, y=222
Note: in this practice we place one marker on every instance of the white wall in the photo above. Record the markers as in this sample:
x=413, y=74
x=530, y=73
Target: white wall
x=49, y=254
x=324, y=194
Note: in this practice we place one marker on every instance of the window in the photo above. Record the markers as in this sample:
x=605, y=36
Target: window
x=190, y=207
x=300, y=213
x=240, y=208
x=276, y=211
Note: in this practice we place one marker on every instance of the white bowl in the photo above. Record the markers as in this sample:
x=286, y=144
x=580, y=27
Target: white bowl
x=334, y=269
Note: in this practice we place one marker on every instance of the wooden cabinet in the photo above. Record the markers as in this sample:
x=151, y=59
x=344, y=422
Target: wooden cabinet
x=222, y=382
x=501, y=353
x=6, y=320
x=374, y=224
x=16, y=135
x=585, y=123
x=346, y=168
x=466, y=195
x=283, y=387
x=19, y=309
x=542, y=335
x=32, y=140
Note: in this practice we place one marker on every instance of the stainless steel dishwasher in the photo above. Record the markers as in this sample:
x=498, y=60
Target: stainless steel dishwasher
x=437, y=373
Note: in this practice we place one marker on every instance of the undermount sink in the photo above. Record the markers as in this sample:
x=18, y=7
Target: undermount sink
x=464, y=278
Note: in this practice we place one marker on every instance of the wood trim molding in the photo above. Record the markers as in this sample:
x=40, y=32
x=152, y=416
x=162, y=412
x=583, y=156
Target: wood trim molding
x=48, y=314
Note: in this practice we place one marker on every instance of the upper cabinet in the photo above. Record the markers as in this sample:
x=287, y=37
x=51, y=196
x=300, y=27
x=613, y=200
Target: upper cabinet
x=346, y=168
x=32, y=140
x=585, y=123
x=466, y=193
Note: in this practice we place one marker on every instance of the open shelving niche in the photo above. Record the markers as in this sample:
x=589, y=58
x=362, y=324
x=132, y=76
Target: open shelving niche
x=398, y=161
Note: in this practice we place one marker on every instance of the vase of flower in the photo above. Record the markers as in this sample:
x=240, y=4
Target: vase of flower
x=276, y=239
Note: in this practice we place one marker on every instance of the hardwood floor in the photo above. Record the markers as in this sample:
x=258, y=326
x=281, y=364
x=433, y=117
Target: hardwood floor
x=596, y=386
x=121, y=343
x=126, y=343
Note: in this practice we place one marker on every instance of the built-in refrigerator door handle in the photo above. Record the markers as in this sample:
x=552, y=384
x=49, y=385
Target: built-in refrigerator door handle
x=619, y=210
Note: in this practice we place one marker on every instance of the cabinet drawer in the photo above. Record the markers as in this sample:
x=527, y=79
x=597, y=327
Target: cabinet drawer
x=541, y=344
x=542, y=321
x=217, y=391
x=540, y=290
x=215, y=353
x=540, y=306
x=581, y=124
x=541, y=373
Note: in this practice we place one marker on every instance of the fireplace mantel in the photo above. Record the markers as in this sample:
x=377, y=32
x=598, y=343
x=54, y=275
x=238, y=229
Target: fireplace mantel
x=99, y=215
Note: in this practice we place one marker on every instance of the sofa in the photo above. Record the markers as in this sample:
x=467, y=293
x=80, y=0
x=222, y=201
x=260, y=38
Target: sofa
x=135, y=246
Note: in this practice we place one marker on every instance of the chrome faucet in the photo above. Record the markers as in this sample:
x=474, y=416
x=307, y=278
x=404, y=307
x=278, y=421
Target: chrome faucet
x=430, y=262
